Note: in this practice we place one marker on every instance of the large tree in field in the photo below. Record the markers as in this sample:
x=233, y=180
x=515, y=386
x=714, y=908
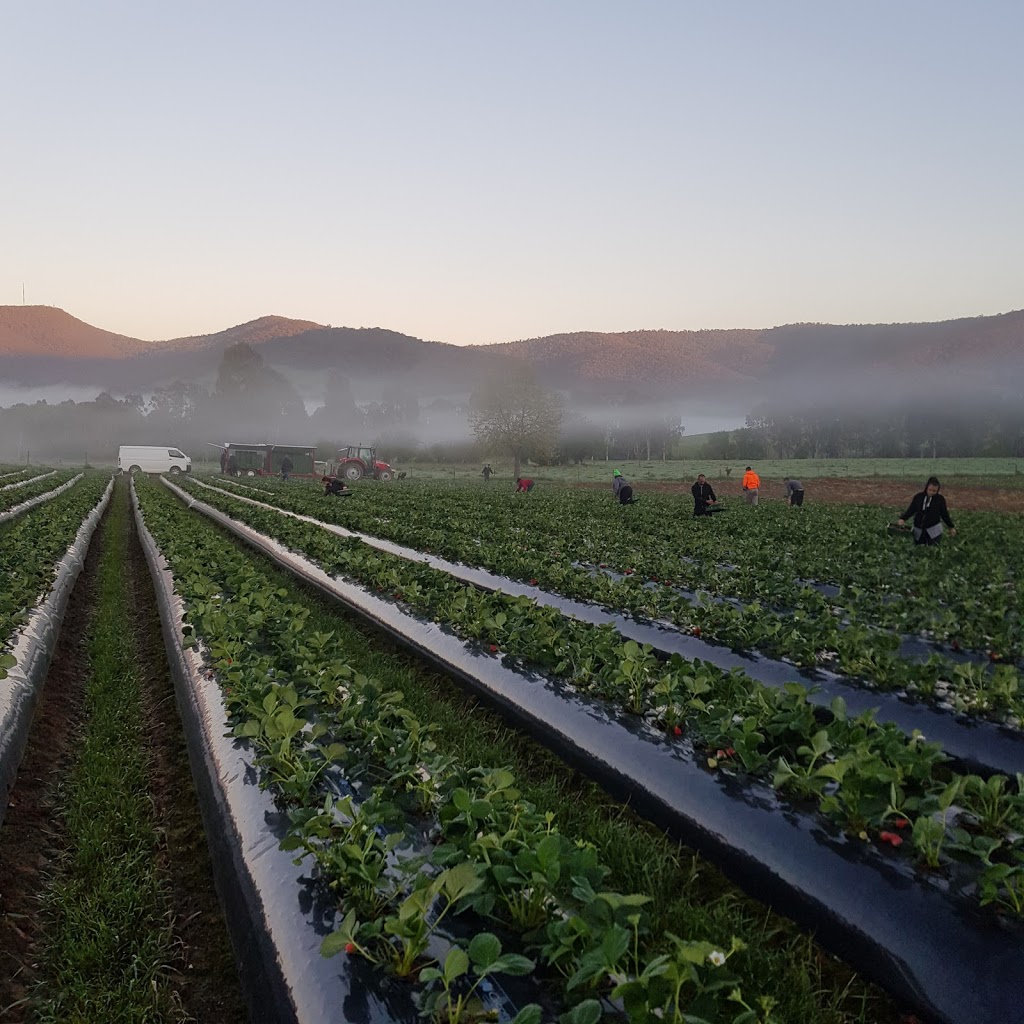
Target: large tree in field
x=511, y=413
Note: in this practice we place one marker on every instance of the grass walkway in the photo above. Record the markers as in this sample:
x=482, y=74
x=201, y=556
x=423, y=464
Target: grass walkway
x=109, y=945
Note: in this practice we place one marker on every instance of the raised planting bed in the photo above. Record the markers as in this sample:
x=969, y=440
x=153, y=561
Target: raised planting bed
x=981, y=746
x=896, y=924
x=963, y=593
x=39, y=554
x=14, y=503
x=792, y=622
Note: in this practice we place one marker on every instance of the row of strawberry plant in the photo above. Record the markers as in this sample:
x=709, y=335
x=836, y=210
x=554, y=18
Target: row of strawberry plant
x=966, y=595
x=22, y=493
x=810, y=635
x=870, y=778
x=31, y=546
x=10, y=474
x=308, y=716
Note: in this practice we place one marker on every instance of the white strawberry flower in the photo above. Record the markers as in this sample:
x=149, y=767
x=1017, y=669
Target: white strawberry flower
x=717, y=957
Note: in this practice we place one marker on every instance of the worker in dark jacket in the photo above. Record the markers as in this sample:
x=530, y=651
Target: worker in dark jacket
x=286, y=467
x=703, y=497
x=335, y=487
x=487, y=472
x=794, y=492
x=621, y=489
x=929, y=511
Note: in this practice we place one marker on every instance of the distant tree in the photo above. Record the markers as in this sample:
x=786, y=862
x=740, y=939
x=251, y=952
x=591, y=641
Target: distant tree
x=178, y=401
x=256, y=393
x=241, y=369
x=581, y=439
x=511, y=413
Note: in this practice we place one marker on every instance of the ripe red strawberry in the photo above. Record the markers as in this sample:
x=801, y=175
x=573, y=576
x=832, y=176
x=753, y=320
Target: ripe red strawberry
x=695, y=631
x=494, y=648
x=349, y=948
x=533, y=583
x=677, y=731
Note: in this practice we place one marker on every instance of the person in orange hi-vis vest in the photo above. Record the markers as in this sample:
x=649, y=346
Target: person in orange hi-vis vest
x=751, y=483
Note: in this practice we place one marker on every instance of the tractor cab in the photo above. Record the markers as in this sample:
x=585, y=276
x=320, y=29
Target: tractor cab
x=356, y=461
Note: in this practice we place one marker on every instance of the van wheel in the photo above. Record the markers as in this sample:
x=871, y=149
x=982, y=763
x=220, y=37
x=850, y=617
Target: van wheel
x=175, y=470
x=134, y=470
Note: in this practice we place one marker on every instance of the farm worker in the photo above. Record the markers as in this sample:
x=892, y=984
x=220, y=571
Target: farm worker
x=621, y=489
x=794, y=491
x=224, y=460
x=286, y=467
x=232, y=465
x=703, y=497
x=486, y=472
x=928, y=508
x=524, y=485
x=333, y=486
x=751, y=483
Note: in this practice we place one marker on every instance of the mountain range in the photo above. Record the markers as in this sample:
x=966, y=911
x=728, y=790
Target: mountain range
x=43, y=345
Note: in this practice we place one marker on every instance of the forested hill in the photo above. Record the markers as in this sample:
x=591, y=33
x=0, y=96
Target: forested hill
x=42, y=345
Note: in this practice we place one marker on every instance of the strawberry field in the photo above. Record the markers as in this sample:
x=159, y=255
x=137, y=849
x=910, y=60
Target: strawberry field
x=449, y=696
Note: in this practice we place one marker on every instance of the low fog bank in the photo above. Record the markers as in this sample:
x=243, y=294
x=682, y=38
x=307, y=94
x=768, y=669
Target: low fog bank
x=955, y=408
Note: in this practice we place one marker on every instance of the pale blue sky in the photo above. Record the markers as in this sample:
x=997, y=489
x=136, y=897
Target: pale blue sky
x=475, y=171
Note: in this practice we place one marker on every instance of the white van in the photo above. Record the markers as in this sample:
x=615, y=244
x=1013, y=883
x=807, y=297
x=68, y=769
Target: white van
x=133, y=458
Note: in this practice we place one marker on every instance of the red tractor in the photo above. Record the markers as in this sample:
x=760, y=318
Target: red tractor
x=355, y=462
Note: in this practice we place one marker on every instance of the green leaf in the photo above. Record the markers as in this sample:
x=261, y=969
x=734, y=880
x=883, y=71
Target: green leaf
x=587, y=1012
x=511, y=963
x=528, y=1015
x=484, y=950
x=456, y=964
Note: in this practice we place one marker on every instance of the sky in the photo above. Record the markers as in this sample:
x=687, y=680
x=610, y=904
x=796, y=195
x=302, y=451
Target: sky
x=474, y=172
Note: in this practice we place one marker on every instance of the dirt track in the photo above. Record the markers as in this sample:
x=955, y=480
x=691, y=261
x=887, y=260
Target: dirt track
x=961, y=493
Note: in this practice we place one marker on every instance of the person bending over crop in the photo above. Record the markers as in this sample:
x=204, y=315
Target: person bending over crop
x=333, y=486
x=794, y=491
x=524, y=485
x=704, y=498
x=930, y=513
x=621, y=489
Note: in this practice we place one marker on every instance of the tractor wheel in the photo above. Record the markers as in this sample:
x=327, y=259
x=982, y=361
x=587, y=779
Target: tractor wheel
x=385, y=475
x=353, y=471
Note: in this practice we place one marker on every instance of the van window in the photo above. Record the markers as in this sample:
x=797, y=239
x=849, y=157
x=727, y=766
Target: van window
x=175, y=454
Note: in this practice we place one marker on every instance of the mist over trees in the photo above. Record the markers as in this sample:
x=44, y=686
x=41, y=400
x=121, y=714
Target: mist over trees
x=248, y=400
x=975, y=426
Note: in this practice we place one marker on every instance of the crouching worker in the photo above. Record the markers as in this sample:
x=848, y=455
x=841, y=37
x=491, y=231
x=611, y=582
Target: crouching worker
x=333, y=486
x=928, y=509
x=704, y=501
x=523, y=484
x=621, y=489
